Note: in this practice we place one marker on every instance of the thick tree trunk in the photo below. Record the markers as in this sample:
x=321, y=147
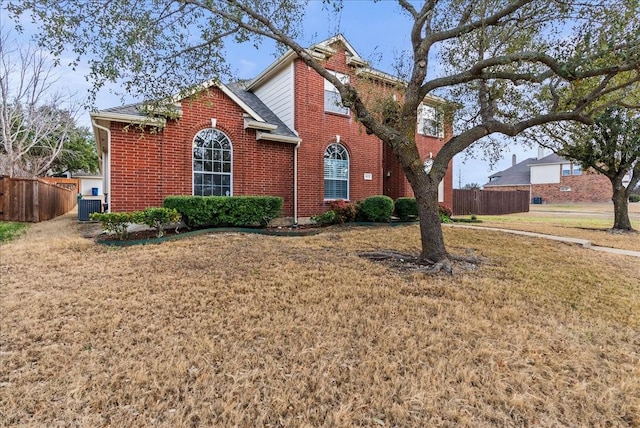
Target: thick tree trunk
x=620, y=200
x=433, y=248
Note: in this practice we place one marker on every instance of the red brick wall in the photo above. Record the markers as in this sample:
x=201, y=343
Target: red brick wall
x=588, y=187
x=318, y=130
x=146, y=167
x=366, y=152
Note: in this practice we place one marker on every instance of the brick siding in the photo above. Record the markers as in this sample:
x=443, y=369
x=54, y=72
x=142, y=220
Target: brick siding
x=147, y=166
x=588, y=187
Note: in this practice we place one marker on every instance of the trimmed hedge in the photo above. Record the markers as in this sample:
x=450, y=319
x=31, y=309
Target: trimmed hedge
x=377, y=208
x=634, y=198
x=221, y=211
x=405, y=208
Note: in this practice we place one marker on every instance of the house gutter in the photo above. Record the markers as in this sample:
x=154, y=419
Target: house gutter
x=295, y=183
x=108, y=166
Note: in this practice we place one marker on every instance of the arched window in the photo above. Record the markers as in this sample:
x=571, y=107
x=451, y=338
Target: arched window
x=336, y=172
x=212, y=156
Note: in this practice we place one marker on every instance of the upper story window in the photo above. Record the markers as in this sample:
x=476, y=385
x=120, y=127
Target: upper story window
x=212, y=157
x=430, y=121
x=332, y=98
x=571, y=169
x=336, y=172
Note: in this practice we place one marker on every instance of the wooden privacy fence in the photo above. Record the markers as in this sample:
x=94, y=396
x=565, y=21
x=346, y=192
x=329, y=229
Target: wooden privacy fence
x=489, y=202
x=33, y=199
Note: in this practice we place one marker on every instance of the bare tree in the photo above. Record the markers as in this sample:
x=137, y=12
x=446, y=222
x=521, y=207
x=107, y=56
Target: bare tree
x=36, y=119
x=510, y=65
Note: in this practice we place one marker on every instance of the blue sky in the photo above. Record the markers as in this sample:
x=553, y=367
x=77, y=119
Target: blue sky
x=378, y=31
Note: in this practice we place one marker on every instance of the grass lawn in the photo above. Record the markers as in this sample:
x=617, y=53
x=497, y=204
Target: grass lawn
x=253, y=330
x=9, y=230
x=585, y=221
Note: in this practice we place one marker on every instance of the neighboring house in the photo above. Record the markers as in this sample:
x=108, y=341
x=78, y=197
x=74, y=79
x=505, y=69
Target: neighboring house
x=552, y=179
x=284, y=133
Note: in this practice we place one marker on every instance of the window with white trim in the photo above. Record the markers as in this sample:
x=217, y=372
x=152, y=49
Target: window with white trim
x=336, y=172
x=430, y=121
x=566, y=169
x=332, y=98
x=576, y=169
x=212, y=160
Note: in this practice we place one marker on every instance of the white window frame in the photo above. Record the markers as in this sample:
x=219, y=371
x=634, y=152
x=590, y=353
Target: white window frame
x=332, y=97
x=565, y=169
x=216, y=163
x=430, y=121
x=576, y=169
x=336, y=169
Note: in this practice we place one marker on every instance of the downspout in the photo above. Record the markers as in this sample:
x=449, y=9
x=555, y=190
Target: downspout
x=295, y=183
x=106, y=176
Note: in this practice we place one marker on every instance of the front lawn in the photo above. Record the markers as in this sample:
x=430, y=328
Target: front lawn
x=252, y=330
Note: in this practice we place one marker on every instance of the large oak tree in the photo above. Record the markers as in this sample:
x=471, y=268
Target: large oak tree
x=502, y=62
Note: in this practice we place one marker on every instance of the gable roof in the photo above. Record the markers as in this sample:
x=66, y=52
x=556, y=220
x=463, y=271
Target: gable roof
x=552, y=159
x=252, y=101
x=257, y=115
x=519, y=174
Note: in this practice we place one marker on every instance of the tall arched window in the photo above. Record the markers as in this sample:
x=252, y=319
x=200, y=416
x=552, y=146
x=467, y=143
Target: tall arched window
x=212, y=156
x=336, y=172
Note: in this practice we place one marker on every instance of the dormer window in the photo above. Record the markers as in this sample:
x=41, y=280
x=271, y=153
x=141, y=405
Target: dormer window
x=332, y=98
x=430, y=121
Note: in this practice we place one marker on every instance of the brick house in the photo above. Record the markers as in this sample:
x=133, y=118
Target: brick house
x=552, y=179
x=284, y=133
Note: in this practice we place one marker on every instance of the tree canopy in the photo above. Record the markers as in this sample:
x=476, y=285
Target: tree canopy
x=611, y=147
x=37, y=122
x=508, y=65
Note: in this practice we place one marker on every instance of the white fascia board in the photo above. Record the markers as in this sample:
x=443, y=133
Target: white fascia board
x=327, y=43
x=379, y=75
x=357, y=61
x=432, y=99
x=277, y=138
x=130, y=118
x=271, y=70
x=254, y=124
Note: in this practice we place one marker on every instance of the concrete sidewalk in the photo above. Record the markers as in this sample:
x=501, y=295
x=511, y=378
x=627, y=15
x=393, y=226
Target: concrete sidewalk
x=584, y=242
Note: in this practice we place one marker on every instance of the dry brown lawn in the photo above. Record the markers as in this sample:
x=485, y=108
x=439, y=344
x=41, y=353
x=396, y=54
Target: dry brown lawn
x=585, y=221
x=251, y=330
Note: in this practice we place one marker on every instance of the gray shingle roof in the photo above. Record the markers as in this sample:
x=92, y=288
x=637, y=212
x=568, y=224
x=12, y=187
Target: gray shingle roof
x=256, y=104
x=249, y=98
x=550, y=159
x=130, y=109
x=519, y=174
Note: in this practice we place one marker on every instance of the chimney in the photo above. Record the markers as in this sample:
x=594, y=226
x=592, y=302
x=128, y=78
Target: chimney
x=540, y=152
x=513, y=160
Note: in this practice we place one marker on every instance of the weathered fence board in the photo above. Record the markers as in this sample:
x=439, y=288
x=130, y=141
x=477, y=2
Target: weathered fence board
x=33, y=200
x=488, y=202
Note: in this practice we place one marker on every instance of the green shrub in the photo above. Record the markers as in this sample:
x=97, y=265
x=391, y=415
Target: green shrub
x=117, y=223
x=445, y=218
x=344, y=211
x=634, y=198
x=406, y=208
x=376, y=208
x=444, y=210
x=157, y=218
x=327, y=217
x=218, y=211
